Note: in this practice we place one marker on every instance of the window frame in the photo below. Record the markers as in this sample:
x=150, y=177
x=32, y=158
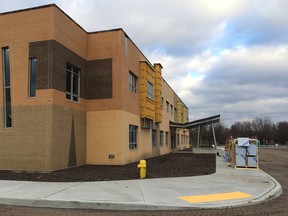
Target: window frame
x=133, y=137
x=133, y=82
x=150, y=91
x=167, y=138
x=154, y=138
x=32, y=77
x=7, y=87
x=161, y=137
x=74, y=72
x=167, y=106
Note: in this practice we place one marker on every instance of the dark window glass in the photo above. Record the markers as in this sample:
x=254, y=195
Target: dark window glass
x=32, y=77
x=161, y=138
x=7, y=88
x=68, y=81
x=75, y=84
x=72, y=82
x=8, y=112
x=154, y=135
x=6, y=61
x=133, y=82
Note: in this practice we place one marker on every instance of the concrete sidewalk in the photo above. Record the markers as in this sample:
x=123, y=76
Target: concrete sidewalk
x=227, y=187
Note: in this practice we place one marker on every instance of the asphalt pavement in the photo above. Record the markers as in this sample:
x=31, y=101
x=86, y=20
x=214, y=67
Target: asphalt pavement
x=226, y=188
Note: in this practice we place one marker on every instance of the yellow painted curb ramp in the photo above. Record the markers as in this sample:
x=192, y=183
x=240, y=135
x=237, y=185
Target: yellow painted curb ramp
x=216, y=197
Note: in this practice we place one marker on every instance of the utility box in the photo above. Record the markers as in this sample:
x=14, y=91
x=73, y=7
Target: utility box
x=244, y=153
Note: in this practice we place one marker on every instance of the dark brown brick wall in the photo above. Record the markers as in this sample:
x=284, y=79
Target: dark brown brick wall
x=99, y=82
x=42, y=51
x=52, y=57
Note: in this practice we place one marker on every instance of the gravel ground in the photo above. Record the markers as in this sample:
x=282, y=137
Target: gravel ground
x=169, y=165
x=273, y=161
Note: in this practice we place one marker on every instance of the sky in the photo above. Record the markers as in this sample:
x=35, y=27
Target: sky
x=227, y=57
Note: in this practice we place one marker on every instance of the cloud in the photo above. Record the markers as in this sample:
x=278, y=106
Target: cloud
x=248, y=81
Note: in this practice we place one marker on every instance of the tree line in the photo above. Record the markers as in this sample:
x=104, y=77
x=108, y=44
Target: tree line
x=261, y=128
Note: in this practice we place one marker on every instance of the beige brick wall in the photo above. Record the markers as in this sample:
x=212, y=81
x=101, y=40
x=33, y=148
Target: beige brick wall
x=62, y=136
x=40, y=138
x=108, y=133
x=27, y=146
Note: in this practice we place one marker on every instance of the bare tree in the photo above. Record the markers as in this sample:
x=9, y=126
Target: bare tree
x=242, y=129
x=262, y=128
x=282, y=132
x=259, y=127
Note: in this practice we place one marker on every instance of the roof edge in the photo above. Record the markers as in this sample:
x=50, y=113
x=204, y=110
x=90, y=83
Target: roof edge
x=41, y=7
x=28, y=9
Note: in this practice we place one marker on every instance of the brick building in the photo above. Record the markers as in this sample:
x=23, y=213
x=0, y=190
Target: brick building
x=71, y=97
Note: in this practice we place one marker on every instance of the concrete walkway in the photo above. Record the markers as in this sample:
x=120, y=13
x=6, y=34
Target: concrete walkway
x=227, y=187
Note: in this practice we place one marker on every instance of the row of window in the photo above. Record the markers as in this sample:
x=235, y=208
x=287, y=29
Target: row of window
x=133, y=83
x=184, y=139
x=167, y=107
x=133, y=131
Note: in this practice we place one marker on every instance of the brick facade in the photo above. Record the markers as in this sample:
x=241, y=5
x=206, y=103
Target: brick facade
x=50, y=132
x=99, y=79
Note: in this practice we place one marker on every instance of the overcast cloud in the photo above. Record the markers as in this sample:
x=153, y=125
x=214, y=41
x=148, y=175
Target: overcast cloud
x=227, y=57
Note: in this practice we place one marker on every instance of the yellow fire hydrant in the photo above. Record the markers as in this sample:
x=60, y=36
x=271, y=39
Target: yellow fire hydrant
x=142, y=167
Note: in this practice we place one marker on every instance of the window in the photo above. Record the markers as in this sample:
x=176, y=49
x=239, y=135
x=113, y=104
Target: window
x=7, y=88
x=171, y=109
x=178, y=139
x=72, y=83
x=162, y=102
x=32, y=77
x=161, y=138
x=150, y=91
x=133, y=82
x=167, y=106
x=166, y=138
x=154, y=135
x=133, y=136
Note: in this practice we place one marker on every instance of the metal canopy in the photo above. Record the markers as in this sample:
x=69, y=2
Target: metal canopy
x=200, y=124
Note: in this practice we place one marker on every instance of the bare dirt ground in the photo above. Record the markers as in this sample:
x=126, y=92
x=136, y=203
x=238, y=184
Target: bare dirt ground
x=169, y=165
x=273, y=161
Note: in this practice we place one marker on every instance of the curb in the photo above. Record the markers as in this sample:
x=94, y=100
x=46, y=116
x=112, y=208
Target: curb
x=273, y=193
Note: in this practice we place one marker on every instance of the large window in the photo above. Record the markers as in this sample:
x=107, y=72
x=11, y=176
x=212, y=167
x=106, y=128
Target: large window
x=132, y=136
x=150, y=91
x=133, y=82
x=32, y=77
x=154, y=137
x=7, y=88
x=72, y=83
